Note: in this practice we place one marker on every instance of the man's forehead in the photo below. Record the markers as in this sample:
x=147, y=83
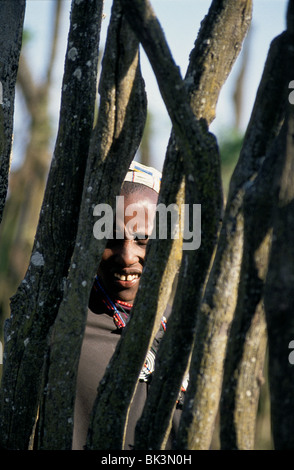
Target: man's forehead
x=134, y=216
x=146, y=198
x=139, y=210
x=143, y=193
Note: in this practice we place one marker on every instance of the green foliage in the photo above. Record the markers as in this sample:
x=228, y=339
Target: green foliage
x=230, y=143
x=27, y=36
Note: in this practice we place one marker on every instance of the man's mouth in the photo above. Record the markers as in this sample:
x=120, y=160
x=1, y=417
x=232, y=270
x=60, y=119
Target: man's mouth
x=126, y=277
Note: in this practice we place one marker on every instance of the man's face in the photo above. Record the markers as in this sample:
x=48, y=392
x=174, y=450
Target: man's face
x=122, y=262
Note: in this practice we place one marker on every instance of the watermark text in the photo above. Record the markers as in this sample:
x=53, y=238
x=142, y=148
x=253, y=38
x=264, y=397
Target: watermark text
x=291, y=95
x=159, y=221
x=291, y=355
x=147, y=459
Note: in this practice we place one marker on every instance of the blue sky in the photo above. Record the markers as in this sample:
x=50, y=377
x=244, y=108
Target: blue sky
x=180, y=20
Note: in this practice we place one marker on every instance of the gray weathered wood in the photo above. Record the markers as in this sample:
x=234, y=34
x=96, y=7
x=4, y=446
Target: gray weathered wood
x=204, y=82
x=221, y=294
x=279, y=293
x=115, y=140
x=35, y=304
x=11, y=26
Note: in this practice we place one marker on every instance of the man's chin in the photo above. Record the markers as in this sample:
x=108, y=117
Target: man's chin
x=125, y=290
x=125, y=297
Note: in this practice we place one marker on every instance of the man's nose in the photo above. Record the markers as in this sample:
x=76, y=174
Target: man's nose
x=127, y=253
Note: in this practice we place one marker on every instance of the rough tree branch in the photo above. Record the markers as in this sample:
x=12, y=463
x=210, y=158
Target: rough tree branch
x=243, y=374
x=279, y=293
x=221, y=293
x=114, y=143
x=11, y=26
x=172, y=358
x=35, y=304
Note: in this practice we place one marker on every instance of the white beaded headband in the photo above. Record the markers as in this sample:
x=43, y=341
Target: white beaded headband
x=139, y=173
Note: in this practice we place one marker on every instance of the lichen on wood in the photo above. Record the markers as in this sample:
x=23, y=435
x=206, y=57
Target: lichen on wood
x=114, y=142
x=176, y=346
x=35, y=304
x=11, y=27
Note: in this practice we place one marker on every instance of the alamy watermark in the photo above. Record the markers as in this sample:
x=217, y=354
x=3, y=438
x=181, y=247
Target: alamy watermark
x=1, y=353
x=1, y=93
x=173, y=220
x=291, y=95
x=291, y=355
x=291, y=344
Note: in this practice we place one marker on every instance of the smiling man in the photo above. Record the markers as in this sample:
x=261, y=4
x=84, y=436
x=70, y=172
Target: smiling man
x=123, y=258
x=112, y=297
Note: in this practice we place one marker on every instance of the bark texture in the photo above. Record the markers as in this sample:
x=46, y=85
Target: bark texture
x=279, y=293
x=11, y=26
x=243, y=375
x=208, y=55
x=220, y=298
x=27, y=182
x=35, y=304
x=113, y=147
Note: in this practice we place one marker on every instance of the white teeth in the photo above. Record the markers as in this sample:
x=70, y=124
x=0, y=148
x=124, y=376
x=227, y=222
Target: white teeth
x=128, y=277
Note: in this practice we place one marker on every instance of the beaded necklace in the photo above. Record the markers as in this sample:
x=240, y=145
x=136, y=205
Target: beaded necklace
x=120, y=310
x=121, y=313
